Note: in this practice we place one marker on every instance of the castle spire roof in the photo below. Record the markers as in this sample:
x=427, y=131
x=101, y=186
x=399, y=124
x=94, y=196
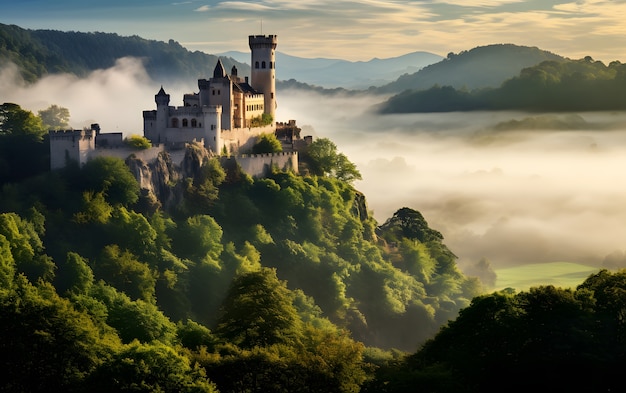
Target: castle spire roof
x=161, y=92
x=219, y=71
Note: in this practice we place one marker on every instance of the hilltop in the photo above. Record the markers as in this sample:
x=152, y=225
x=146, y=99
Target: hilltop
x=484, y=66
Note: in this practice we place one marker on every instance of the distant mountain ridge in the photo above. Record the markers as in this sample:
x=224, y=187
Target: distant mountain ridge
x=41, y=52
x=332, y=73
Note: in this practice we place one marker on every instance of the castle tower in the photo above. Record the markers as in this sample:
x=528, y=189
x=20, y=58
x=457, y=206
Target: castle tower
x=263, y=66
x=162, y=100
x=218, y=91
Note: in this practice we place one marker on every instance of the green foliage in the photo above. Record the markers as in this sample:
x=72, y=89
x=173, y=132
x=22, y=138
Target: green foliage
x=27, y=249
x=550, y=86
x=24, y=148
x=202, y=191
x=55, y=117
x=112, y=177
x=261, y=121
x=152, y=367
x=17, y=121
x=45, y=341
x=77, y=276
x=194, y=336
x=138, y=142
x=258, y=311
x=544, y=338
x=324, y=160
x=122, y=270
x=267, y=143
x=134, y=319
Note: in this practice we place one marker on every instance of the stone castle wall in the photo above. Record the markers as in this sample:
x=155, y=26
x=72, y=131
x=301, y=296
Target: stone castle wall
x=259, y=165
x=147, y=155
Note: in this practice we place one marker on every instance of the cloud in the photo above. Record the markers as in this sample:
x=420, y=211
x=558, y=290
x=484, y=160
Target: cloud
x=527, y=196
x=114, y=97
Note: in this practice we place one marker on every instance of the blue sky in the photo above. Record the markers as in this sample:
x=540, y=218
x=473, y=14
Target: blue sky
x=353, y=29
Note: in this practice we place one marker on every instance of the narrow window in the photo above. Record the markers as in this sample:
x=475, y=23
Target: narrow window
x=263, y=65
x=194, y=123
x=174, y=122
x=185, y=123
x=256, y=65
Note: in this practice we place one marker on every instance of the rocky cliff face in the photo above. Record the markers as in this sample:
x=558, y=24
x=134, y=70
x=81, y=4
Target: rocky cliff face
x=162, y=185
x=160, y=179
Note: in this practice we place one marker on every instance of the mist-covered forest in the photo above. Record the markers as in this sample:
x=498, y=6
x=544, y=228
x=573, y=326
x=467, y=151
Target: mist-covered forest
x=43, y=52
x=216, y=281
x=283, y=283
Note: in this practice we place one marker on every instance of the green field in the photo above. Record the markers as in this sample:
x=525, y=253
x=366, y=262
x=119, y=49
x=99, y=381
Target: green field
x=559, y=274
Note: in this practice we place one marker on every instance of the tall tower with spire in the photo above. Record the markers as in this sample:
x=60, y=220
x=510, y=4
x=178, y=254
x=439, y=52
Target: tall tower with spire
x=263, y=65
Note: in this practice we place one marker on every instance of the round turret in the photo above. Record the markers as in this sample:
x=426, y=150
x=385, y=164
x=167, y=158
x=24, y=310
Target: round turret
x=263, y=66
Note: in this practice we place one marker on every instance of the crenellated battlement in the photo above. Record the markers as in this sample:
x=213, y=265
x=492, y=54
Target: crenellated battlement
x=262, y=41
x=72, y=134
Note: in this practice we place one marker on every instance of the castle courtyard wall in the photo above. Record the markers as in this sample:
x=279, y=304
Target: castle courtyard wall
x=259, y=165
x=241, y=140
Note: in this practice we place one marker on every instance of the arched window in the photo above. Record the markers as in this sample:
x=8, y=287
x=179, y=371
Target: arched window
x=185, y=123
x=194, y=123
x=256, y=65
x=175, y=122
x=263, y=65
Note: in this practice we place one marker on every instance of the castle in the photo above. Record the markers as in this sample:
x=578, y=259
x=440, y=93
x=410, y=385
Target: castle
x=226, y=115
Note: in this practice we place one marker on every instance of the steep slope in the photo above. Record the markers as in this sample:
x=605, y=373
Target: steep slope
x=485, y=66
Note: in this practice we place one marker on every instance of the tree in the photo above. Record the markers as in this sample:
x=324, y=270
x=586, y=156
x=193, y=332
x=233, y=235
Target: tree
x=324, y=160
x=267, y=143
x=77, y=277
x=149, y=368
x=134, y=320
x=55, y=117
x=16, y=121
x=201, y=191
x=45, y=341
x=23, y=148
x=138, y=142
x=121, y=269
x=259, y=311
x=111, y=176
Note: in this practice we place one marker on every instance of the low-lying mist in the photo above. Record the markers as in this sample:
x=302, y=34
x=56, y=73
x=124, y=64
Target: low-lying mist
x=513, y=188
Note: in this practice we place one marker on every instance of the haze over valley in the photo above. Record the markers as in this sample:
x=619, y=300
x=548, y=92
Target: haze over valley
x=455, y=220
x=509, y=187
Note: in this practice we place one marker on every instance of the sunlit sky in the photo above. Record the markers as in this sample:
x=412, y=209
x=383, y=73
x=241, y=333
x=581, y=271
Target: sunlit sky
x=351, y=30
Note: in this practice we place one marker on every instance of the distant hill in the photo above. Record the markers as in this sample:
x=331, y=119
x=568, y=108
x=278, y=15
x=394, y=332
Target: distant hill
x=333, y=73
x=41, y=52
x=550, y=86
x=485, y=66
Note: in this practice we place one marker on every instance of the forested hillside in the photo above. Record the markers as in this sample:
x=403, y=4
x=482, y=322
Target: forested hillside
x=41, y=52
x=285, y=280
x=568, y=85
x=480, y=67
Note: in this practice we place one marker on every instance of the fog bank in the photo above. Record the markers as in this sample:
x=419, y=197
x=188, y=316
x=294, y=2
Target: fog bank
x=513, y=188
x=113, y=97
